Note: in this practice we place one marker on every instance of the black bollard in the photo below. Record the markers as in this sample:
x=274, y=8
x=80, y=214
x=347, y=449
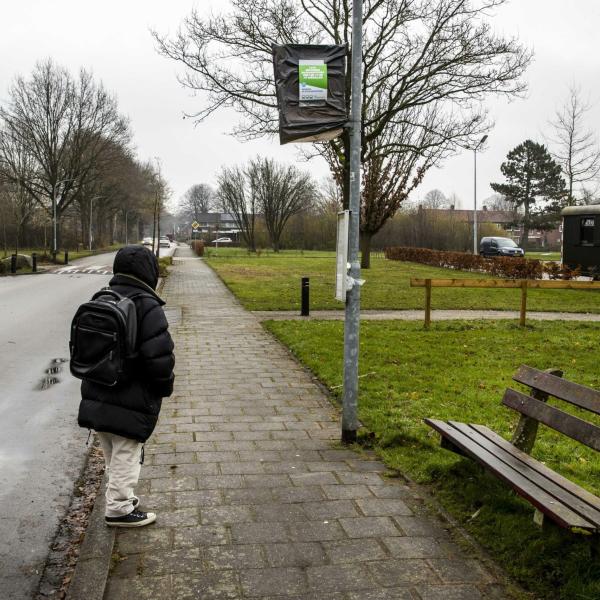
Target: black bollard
x=305, y=311
x=34, y=263
x=66, y=257
x=13, y=263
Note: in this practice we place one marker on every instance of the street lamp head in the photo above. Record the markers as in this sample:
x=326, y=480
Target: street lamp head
x=482, y=141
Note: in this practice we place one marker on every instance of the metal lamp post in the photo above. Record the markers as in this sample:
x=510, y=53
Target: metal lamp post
x=352, y=315
x=90, y=231
x=480, y=143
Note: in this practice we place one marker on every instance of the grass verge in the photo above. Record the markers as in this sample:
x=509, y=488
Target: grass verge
x=459, y=370
x=163, y=263
x=272, y=282
x=44, y=255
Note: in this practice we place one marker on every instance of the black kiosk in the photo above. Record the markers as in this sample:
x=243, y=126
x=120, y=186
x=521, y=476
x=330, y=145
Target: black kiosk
x=581, y=237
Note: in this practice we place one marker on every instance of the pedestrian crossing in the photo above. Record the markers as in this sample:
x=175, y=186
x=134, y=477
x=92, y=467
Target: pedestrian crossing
x=89, y=270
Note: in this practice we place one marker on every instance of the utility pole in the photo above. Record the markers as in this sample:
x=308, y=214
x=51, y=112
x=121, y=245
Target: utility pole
x=352, y=315
x=157, y=206
x=481, y=142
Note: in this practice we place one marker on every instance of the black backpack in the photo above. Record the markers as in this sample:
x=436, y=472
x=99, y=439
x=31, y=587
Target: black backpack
x=103, y=338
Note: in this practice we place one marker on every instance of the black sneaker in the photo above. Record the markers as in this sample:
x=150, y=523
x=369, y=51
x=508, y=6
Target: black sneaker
x=135, y=518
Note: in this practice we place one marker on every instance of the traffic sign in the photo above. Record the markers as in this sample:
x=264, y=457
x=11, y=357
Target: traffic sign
x=195, y=225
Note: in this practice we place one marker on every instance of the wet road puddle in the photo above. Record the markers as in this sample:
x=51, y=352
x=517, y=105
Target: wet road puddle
x=50, y=377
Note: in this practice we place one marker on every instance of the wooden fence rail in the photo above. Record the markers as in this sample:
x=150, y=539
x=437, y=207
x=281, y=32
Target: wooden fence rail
x=523, y=284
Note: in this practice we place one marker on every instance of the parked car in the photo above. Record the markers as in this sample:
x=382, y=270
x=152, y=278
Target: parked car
x=147, y=241
x=499, y=246
x=223, y=240
x=164, y=243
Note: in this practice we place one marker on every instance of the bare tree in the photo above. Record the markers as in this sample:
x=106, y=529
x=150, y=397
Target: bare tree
x=499, y=202
x=18, y=204
x=435, y=199
x=238, y=196
x=200, y=198
x=329, y=201
x=396, y=161
x=282, y=191
x=67, y=127
x=576, y=147
x=427, y=65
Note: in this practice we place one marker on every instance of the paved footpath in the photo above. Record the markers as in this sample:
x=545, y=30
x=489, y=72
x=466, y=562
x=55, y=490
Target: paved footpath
x=254, y=498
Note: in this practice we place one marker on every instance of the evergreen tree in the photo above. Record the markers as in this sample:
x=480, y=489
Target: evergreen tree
x=534, y=184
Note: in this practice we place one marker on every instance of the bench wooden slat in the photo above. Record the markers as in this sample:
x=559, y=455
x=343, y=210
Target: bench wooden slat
x=544, y=284
x=536, y=496
x=468, y=283
x=548, y=473
x=574, y=393
x=575, y=428
x=525, y=468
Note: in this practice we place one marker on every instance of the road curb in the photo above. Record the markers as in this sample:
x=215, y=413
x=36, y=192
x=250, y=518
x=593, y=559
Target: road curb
x=91, y=572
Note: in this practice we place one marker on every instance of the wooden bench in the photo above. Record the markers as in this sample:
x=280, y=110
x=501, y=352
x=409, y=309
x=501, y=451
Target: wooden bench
x=552, y=495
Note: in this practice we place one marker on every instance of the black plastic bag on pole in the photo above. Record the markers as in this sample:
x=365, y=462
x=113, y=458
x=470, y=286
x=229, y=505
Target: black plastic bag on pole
x=311, y=91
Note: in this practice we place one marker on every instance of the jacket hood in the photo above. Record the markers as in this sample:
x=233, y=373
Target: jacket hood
x=139, y=262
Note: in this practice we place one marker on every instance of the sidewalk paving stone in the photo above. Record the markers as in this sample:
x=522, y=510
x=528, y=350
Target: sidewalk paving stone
x=254, y=499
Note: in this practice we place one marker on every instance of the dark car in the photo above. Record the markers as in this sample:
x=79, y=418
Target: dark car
x=499, y=246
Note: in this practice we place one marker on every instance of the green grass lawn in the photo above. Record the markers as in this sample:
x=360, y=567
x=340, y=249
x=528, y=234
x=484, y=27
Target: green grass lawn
x=272, y=282
x=459, y=370
x=544, y=255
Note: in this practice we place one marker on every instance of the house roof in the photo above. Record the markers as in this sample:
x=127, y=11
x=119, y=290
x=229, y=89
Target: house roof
x=215, y=218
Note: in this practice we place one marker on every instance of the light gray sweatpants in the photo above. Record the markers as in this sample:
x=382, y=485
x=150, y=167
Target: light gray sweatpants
x=122, y=458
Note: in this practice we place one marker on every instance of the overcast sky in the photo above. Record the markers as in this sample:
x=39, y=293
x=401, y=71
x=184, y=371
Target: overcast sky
x=112, y=39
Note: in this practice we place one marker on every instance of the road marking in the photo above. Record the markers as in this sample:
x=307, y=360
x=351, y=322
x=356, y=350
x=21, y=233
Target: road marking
x=91, y=270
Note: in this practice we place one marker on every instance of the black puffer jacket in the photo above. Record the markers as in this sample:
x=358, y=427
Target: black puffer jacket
x=131, y=409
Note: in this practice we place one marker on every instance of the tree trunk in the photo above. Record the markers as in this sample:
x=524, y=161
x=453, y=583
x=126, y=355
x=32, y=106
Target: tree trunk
x=524, y=237
x=365, y=250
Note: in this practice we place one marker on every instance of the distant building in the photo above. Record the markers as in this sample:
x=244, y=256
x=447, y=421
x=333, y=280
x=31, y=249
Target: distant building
x=217, y=224
x=505, y=219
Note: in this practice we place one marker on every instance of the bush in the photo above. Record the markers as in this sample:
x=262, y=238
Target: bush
x=510, y=268
x=198, y=247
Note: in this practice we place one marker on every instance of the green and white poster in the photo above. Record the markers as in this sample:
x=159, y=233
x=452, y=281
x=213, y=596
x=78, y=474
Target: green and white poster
x=312, y=75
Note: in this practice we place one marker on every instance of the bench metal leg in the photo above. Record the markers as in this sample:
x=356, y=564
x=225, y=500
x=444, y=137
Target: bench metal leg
x=448, y=445
x=595, y=547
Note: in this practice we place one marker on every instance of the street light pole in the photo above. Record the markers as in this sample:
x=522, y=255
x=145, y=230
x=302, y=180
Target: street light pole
x=90, y=231
x=481, y=142
x=54, y=248
x=352, y=315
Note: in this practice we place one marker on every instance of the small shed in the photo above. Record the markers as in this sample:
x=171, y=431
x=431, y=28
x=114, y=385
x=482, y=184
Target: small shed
x=581, y=237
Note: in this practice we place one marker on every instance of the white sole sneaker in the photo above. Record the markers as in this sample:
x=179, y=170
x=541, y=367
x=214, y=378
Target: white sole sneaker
x=131, y=520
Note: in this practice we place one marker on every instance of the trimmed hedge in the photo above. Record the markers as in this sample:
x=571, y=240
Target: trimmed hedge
x=506, y=267
x=198, y=247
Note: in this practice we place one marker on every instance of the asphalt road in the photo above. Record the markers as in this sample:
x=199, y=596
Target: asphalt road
x=42, y=449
